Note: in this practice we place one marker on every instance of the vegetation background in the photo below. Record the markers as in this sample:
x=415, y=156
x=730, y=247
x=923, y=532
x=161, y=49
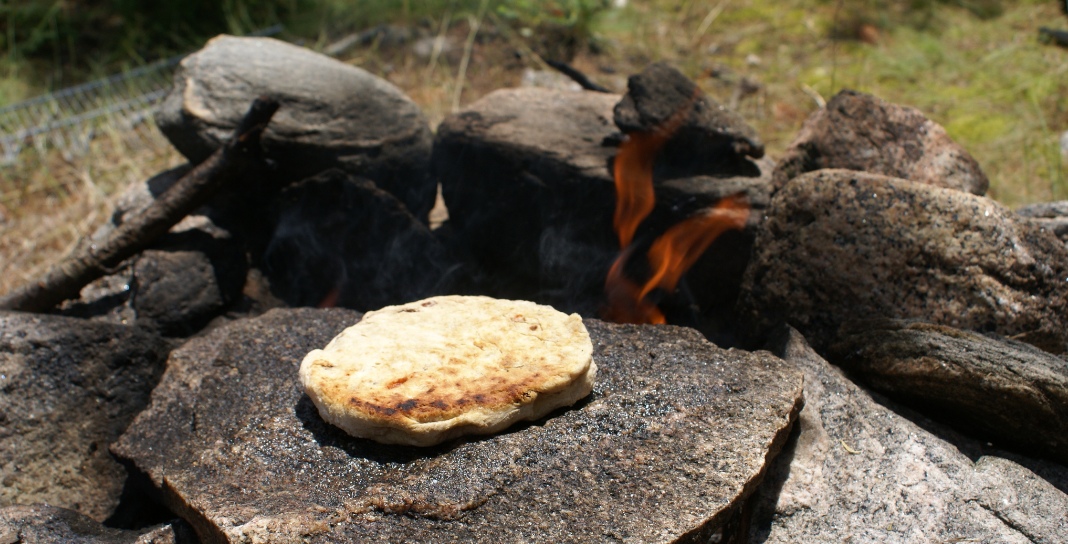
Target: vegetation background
x=977, y=67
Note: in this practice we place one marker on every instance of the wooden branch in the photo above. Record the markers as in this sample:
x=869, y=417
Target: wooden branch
x=576, y=76
x=66, y=279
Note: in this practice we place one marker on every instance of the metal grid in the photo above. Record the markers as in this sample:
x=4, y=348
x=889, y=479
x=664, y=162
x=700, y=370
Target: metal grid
x=67, y=120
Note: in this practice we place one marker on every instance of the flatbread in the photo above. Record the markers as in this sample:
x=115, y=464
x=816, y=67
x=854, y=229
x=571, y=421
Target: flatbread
x=428, y=371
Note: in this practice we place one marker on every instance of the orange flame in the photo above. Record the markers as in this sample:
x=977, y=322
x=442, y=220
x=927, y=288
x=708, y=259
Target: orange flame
x=626, y=303
x=674, y=252
x=634, y=173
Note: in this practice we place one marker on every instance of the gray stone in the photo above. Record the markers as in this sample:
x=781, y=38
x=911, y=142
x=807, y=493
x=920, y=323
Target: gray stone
x=68, y=388
x=709, y=130
x=332, y=115
x=342, y=241
x=42, y=524
x=840, y=245
x=858, y=131
x=855, y=471
x=674, y=436
x=188, y=276
x=1022, y=500
x=526, y=176
x=1052, y=216
x=177, y=292
x=997, y=388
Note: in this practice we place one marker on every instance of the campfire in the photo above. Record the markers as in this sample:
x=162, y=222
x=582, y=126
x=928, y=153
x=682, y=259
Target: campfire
x=675, y=251
x=155, y=371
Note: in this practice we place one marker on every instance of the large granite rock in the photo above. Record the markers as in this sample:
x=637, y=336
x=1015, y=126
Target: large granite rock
x=842, y=245
x=674, y=436
x=1052, y=216
x=342, y=241
x=42, y=524
x=68, y=388
x=855, y=471
x=858, y=131
x=998, y=388
x=332, y=115
x=526, y=175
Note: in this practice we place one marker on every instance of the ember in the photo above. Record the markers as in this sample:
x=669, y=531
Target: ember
x=674, y=252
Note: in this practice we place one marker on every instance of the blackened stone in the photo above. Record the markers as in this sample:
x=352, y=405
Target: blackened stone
x=42, y=524
x=996, y=388
x=342, y=241
x=674, y=436
x=858, y=131
x=332, y=115
x=68, y=388
x=177, y=292
x=526, y=176
x=188, y=276
x=856, y=471
x=709, y=133
x=841, y=245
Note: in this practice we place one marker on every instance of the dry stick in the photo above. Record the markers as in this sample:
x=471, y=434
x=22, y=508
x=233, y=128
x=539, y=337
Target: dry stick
x=709, y=19
x=576, y=76
x=474, y=23
x=66, y=279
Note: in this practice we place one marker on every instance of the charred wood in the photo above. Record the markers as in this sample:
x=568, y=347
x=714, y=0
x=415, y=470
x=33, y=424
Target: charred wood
x=579, y=77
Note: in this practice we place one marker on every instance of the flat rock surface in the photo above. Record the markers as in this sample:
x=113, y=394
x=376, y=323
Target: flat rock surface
x=332, y=114
x=841, y=245
x=68, y=388
x=858, y=131
x=674, y=435
x=855, y=471
x=997, y=388
x=42, y=524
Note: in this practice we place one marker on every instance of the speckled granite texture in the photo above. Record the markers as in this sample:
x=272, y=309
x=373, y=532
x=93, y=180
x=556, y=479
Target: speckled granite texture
x=675, y=435
x=856, y=471
x=841, y=245
x=862, y=132
x=1006, y=391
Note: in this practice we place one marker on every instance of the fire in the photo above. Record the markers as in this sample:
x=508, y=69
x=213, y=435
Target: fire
x=634, y=174
x=674, y=252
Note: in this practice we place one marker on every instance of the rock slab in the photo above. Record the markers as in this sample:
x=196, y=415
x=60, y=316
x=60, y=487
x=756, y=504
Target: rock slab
x=674, y=436
x=856, y=471
x=841, y=245
x=332, y=115
x=68, y=388
x=858, y=131
x=41, y=524
x=1052, y=216
x=997, y=388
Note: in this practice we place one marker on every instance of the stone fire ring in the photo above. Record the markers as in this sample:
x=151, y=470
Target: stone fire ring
x=675, y=435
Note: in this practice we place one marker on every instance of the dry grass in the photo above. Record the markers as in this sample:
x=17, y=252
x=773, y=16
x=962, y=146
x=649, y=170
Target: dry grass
x=48, y=202
x=997, y=91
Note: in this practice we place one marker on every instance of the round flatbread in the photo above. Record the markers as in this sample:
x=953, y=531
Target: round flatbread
x=428, y=371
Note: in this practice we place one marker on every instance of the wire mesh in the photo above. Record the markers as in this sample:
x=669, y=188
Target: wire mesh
x=67, y=120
